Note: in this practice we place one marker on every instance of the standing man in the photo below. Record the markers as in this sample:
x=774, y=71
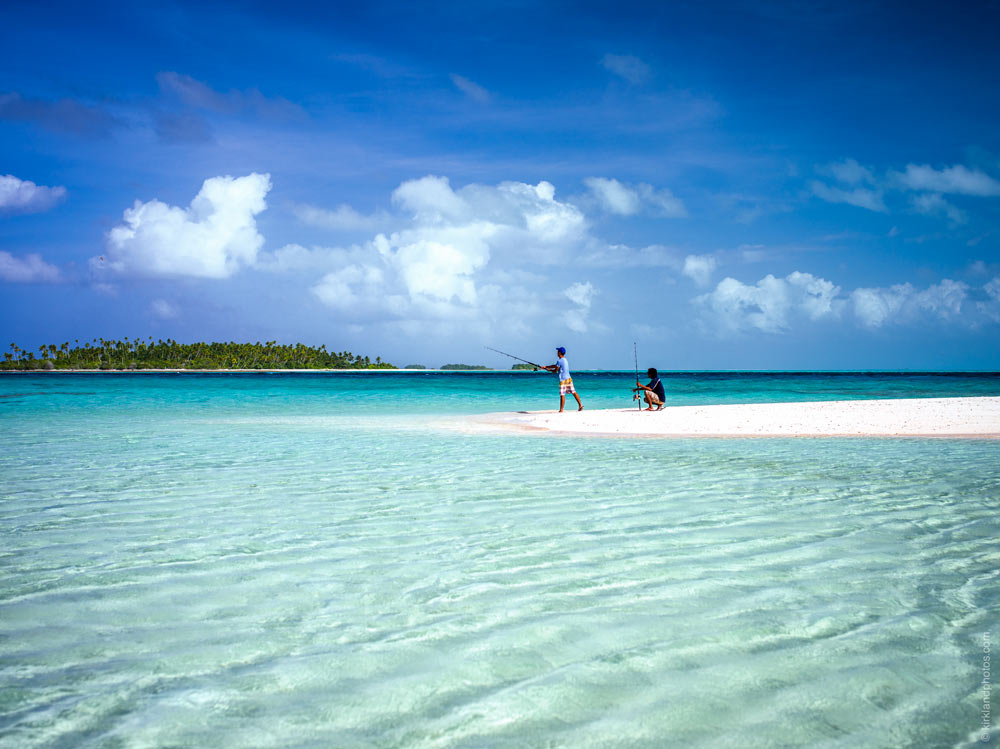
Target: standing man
x=565, y=381
x=653, y=392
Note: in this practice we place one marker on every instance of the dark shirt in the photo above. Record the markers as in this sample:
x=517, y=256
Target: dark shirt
x=657, y=387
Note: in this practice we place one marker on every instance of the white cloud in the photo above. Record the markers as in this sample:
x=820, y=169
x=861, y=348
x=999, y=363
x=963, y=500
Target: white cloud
x=629, y=67
x=342, y=218
x=163, y=309
x=991, y=307
x=662, y=201
x=944, y=298
x=471, y=89
x=623, y=256
x=581, y=294
x=933, y=204
x=699, y=268
x=849, y=172
x=616, y=197
x=861, y=197
x=28, y=269
x=513, y=216
x=613, y=196
x=771, y=302
x=350, y=286
x=212, y=238
x=431, y=200
x=294, y=257
x=874, y=307
x=958, y=179
x=442, y=268
x=433, y=268
x=24, y=196
x=817, y=297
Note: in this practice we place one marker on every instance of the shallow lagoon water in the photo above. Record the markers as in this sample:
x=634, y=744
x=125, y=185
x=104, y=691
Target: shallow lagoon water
x=284, y=560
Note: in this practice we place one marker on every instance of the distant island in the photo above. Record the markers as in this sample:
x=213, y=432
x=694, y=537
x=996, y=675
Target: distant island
x=138, y=353
x=524, y=367
x=464, y=367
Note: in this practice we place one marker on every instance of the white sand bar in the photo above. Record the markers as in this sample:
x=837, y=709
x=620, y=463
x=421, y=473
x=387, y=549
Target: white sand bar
x=916, y=417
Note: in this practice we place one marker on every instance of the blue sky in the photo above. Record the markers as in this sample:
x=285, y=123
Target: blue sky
x=731, y=185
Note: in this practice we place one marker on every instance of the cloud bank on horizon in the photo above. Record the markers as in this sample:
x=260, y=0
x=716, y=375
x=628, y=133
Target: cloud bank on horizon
x=413, y=204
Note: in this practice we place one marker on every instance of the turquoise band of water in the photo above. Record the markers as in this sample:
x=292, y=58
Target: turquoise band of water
x=291, y=560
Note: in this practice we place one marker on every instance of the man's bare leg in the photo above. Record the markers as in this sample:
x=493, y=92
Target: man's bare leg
x=578, y=402
x=562, y=402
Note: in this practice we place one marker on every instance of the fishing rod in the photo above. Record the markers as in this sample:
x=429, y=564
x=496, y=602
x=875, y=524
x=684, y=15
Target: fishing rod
x=635, y=353
x=515, y=357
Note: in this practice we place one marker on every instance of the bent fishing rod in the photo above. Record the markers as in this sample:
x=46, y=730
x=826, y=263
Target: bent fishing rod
x=515, y=357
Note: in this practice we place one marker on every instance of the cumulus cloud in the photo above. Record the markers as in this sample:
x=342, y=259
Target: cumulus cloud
x=624, y=200
x=442, y=267
x=473, y=90
x=28, y=269
x=581, y=294
x=861, y=197
x=769, y=304
x=628, y=67
x=699, y=268
x=774, y=304
x=874, y=307
x=431, y=200
x=351, y=287
x=956, y=180
x=24, y=196
x=433, y=268
x=212, y=238
x=511, y=215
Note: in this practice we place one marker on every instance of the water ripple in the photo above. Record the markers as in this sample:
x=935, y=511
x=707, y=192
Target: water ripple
x=274, y=584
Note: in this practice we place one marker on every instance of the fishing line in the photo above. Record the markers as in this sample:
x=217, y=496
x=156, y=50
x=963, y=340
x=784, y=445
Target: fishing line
x=515, y=357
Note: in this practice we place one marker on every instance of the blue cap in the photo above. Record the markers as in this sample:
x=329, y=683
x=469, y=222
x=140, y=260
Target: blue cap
x=561, y=350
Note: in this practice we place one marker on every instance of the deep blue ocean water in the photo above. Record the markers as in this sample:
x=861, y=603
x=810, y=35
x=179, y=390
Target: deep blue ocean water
x=309, y=560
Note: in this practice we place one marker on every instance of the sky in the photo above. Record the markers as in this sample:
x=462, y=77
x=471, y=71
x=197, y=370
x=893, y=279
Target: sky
x=728, y=185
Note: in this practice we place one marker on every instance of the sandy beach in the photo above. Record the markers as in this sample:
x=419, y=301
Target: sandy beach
x=918, y=417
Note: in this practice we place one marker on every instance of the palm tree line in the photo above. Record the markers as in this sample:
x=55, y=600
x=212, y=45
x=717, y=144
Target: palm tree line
x=138, y=353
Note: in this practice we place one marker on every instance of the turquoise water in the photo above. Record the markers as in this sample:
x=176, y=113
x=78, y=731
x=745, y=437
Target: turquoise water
x=308, y=560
